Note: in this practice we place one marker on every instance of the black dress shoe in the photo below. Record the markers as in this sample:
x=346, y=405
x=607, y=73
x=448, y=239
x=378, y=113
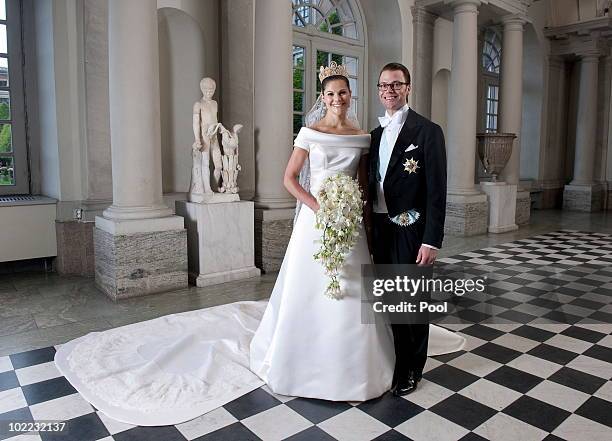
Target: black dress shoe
x=406, y=385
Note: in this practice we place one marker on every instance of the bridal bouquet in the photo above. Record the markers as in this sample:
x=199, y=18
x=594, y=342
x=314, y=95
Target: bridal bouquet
x=339, y=216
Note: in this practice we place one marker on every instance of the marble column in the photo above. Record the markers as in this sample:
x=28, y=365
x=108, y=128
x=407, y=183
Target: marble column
x=422, y=47
x=511, y=99
x=554, y=131
x=140, y=248
x=608, y=196
x=466, y=206
x=511, y=107
x=273, y=131
x=583, y=194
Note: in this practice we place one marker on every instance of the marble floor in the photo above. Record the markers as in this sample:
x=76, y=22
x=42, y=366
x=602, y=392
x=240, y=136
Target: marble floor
x=520, y=378
x=38, y=310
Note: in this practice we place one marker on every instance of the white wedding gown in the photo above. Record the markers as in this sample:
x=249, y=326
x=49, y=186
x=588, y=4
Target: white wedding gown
x=300, y=343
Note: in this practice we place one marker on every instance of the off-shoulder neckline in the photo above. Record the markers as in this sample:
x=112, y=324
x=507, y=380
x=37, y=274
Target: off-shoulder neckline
x=333, y=134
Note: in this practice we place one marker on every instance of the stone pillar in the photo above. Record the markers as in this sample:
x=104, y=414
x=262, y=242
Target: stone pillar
x=511, y=108
x=554, y=132
x=583, y=194
x=608, y=145
x=273, y=131
x=422, y=47
x=511, y=99
x=140, y=248
x=466, y=206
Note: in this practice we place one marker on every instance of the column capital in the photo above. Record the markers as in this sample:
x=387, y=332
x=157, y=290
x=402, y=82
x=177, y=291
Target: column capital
x=514, y=22
x=589, y=56
x=420, y=15
x=465, y=5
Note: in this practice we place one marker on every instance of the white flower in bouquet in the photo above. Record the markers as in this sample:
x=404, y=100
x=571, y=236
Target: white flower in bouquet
x=340, y=213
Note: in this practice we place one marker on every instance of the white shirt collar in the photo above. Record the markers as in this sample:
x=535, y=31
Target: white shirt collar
x=398, y=118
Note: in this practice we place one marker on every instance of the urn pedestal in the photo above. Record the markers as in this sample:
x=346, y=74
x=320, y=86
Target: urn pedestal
x=494, y=150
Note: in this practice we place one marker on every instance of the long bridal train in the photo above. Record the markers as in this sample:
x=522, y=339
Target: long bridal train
x=300, y=343
x=177, y=367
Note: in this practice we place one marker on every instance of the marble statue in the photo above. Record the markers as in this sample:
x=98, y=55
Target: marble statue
x=230, y=158
x=206, y=130
x=204, y=117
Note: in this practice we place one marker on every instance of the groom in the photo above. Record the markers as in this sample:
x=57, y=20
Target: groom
x=407, y=191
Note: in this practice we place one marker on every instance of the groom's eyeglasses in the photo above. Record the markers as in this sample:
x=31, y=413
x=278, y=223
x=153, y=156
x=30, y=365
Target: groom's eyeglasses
x=396, y=85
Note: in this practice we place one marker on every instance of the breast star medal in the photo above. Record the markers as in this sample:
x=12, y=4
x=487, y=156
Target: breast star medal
x=411, y=165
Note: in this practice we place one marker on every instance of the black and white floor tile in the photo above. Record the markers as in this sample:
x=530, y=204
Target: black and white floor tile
x=537, y=365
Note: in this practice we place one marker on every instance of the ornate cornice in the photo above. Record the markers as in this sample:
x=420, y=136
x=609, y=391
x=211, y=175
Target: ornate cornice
x=586, y=37
x=502, y=7
x=601, y=24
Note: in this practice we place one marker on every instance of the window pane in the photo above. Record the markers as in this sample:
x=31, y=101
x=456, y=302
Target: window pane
x=4, y=75
x=6, y=138
x=354, y=86
x=3, y=44
x=298, y=79
x=7, y=171
x=354, y=107
x=5, y=104
x=2, y=10
x=322, y=60
x=297, y=123
x=350, y=30
x=298, y=102
x=351, y=65
x=298, y=56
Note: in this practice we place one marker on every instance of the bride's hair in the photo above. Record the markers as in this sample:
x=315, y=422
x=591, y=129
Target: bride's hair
x=326, y=81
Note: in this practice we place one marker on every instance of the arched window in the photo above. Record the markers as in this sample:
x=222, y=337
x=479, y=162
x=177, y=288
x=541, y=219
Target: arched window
x=491, y=52
x=491, y=60
x=325, y=31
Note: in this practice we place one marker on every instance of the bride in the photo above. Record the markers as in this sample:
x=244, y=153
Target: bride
x=309, y=345
x=300, y=343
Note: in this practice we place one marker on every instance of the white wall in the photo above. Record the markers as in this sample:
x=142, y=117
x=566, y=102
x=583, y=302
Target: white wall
x=407, y=46
x=439, y=99
x=188, y=52
x=442, y=61
x=443, y=47
x=387, y=36
x=49, y=154
x=535, y=48
x=181, y=67
x=60, y=98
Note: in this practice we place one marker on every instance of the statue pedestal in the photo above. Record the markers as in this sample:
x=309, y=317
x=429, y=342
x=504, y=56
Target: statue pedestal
x=213, y=198
x=502, y=206
x=220, y=241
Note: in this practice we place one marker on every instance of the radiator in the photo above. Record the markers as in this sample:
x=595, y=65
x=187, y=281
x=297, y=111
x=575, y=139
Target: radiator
x=27, y=227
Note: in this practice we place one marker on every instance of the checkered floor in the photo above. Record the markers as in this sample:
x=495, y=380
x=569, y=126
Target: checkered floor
x=537, y=365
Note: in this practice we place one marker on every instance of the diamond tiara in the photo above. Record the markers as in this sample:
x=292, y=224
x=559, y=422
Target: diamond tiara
x=333, y=69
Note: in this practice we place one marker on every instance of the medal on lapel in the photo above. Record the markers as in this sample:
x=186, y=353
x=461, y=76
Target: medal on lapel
x=411, y=165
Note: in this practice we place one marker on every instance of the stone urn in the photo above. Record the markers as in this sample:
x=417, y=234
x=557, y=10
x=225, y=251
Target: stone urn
x=494, y=150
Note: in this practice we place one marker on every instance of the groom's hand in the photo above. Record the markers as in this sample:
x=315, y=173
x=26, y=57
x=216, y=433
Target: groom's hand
x=426, y=255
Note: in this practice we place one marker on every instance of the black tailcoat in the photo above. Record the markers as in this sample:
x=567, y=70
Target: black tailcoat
x=425, y=189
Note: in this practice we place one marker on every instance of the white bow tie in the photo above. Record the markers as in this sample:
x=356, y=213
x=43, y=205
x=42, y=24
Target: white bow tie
x=387, y=120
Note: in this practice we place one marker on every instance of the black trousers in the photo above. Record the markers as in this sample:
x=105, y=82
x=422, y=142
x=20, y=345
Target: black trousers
x=394, y=244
